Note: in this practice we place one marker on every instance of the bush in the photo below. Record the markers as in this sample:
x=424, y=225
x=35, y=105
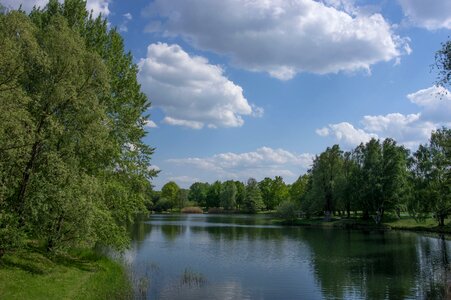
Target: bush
x=192, y=210
x=163, y=204
x=215, y=210
x=288, y=211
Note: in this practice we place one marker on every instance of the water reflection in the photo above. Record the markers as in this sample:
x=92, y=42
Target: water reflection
x=244, y=257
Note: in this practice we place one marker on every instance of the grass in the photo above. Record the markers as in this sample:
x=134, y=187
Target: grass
x=191, y=278
x=30, y=274
x=389, y=222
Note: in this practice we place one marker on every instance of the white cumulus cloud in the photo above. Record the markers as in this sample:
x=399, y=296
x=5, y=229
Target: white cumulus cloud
x=281, y=37
x=262, y=162
x=408, y=129
x=346, y=133
x=430, y=14
x=191, y=91
x=150, y=124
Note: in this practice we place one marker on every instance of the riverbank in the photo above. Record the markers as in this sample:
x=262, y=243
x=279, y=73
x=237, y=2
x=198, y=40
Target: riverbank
x=30, y=274
x=404, y=223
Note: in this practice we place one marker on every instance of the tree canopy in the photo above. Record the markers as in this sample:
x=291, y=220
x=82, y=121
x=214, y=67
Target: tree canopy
x=73, y=166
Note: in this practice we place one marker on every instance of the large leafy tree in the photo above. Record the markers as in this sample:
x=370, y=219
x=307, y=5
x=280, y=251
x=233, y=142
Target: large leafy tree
x=228, y=195
x=213, y=195
x=170, y=192
x=299, y=188
x=198, y=193
x=253, y=201
x=73, y=166
x=326, y=175
x=432, y=175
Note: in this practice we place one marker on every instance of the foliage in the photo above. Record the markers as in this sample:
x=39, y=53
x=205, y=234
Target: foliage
x=432, y=176
x=198, y=193
x=214, y=194
x=443, y=64
x=253, y=201
x=325, y=174
x=299, y=188
x=170, y=192
x=73, y=166
x=163, y=204
x=228, y=195
x=288, y=210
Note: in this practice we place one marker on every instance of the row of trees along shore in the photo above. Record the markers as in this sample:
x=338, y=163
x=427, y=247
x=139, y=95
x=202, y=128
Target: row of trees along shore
x=73, y=167
x=375, y=177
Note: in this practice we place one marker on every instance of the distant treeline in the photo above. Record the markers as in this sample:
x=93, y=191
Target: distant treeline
x=373, y=178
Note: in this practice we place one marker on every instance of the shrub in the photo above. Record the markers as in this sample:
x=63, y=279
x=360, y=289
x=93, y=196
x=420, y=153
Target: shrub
x=288, y=211
x=192, y=210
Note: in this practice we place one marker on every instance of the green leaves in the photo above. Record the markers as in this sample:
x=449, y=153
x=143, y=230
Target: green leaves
x=73, y=167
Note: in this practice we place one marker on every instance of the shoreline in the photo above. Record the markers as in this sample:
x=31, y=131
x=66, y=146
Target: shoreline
x=362, y=225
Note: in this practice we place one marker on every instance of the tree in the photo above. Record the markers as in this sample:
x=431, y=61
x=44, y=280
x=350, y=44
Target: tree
x=213, y=195
x=288, y=210
x=299, y=188
x=279, y=192
x=73, y=167
x=325, y=175
x=433, y=174
x=266, y=192
x=443, y=64
x=198, y=193
x=170, y=191
x=240, y=194
x=253, y=201
x=228, y=195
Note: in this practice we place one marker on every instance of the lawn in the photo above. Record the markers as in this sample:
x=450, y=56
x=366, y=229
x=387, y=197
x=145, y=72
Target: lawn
x=30, y=274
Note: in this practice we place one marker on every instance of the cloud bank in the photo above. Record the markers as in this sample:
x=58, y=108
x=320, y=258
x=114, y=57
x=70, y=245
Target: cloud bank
x=262, y=162
x=409, y=129
x=281, y=37
x=191, y=91
x=430, y=14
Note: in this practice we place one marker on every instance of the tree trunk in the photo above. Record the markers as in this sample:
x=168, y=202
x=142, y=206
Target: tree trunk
x=366, y=215
x=441, y=220
x=24, y=184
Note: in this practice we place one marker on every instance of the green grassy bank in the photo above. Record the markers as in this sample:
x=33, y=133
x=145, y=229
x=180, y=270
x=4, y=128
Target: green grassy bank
x=30, y=274
x=403, y=223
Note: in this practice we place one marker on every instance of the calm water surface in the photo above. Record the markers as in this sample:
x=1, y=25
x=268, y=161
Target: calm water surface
x=245, y=257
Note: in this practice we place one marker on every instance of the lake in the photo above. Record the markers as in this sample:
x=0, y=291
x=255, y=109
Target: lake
x=245, y=257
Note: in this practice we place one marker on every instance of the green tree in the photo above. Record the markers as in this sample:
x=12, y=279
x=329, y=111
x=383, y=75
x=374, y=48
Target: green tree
x=280, y=192
x=433, y=174
x=228, y=195
x=325, y=175
x=266, y=192
x=170, y=191
x=253, y=201
x=288, y=210
x=213, y=195
x=299, y=188
x=73, y=166
x=198, y=193
x=240, y=194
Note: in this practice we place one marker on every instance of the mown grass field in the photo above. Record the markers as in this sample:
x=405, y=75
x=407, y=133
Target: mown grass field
x=30, y=274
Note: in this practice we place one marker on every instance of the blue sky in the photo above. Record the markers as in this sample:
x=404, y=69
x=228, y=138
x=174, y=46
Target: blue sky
x=256, y=88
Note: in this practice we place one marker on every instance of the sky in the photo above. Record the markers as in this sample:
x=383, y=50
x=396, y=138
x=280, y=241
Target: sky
x=257, y=88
